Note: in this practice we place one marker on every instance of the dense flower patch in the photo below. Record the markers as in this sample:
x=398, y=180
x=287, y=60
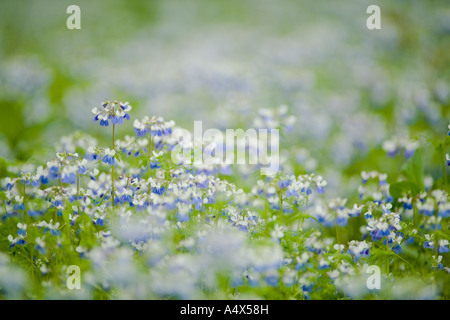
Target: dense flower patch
x=141, y=226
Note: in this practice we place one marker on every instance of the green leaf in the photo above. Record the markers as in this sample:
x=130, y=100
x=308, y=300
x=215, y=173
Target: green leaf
x=76, y=203
x=446, y=142
x=413, y=170
x=397, y=189
x=3, y=168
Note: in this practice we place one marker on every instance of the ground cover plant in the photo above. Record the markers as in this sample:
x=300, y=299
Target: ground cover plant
x=100, y=201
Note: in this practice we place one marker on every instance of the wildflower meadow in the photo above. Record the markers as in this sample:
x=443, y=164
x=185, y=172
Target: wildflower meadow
x=225, y=151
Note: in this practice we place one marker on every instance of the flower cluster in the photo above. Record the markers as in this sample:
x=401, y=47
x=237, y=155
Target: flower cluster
x=112, y=111
x=155, y=126
x=394, y=146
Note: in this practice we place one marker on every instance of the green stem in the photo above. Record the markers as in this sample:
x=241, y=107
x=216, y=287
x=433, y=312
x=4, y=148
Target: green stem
x=24, y=197
x=149, y=156
x=78, y=191
x=4, y=207
x=416, y=215
x=149, y=152
x=436, y=244
x=266, y=213
x=112, y=168
x=297, y=213
x=217, y=219
x=444, y=169
x=31, y=264
x=304, y=212
x=338, y=239
x=62, y=195
x=280, y=212
x=387, y=258
x=103, y=198
x=387, y=266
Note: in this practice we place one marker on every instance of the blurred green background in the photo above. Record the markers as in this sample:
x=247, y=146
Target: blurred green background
x=221, y=61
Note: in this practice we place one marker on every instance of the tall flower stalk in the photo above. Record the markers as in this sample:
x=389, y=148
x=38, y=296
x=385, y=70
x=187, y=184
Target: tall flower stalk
x=116, y=112
x=149, y=154
x=156, y=129
x=112, y=167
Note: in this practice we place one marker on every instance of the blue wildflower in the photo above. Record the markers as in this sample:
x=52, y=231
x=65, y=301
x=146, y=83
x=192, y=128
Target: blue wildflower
x=36, y=183
x=53, y=172
x=109, y=157
x=429, y=243
x=154, y=164
x=22, y=229
x=272, y=280
x=443, y=246
x=70, y=178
